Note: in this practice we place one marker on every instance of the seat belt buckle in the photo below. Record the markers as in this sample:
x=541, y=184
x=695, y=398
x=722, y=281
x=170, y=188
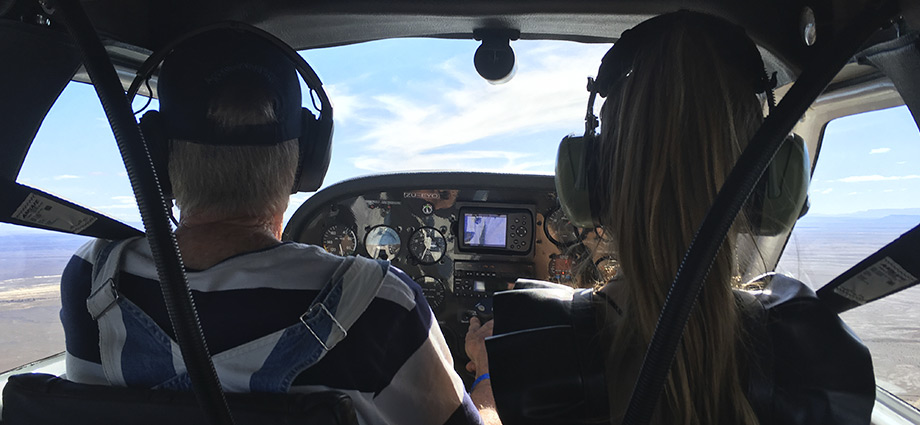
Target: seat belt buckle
x=313, y=309
x=112, y=296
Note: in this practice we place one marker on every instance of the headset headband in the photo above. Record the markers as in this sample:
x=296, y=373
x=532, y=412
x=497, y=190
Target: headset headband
x=576, y=164
x=303, y=68
x=314, y=134
x=735, y=44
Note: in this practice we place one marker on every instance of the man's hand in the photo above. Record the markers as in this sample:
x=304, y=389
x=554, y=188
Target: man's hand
x=476, y=346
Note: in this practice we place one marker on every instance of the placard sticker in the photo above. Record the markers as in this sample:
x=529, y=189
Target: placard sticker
x=882, y=278
x=49, y=213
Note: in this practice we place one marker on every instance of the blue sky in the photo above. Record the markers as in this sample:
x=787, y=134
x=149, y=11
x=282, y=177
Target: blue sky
x=414, y=104
x=868, y=161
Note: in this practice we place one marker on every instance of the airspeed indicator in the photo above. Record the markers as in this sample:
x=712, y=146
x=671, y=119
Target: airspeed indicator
x=339, y=239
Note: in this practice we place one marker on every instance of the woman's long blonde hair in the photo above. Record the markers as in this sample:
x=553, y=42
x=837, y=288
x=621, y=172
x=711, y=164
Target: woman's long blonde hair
x=670, y=136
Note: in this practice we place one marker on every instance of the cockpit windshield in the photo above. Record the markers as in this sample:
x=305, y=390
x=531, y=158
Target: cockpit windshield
x=399, y=105
x=418, y=104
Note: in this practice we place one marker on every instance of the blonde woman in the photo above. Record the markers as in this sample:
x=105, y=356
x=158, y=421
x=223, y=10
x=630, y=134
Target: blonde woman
x=659, y=181
x=681, y=107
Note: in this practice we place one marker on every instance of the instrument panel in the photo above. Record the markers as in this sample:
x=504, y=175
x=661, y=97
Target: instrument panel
x=460, y=236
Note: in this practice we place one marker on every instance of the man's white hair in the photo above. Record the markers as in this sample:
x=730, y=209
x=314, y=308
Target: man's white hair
x=234, y=181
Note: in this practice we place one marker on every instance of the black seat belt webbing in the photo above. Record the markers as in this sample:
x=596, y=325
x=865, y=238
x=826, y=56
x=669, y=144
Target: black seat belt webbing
x=891, y=269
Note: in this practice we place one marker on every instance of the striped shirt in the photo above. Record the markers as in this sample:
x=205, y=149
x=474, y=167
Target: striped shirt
x=394, y=363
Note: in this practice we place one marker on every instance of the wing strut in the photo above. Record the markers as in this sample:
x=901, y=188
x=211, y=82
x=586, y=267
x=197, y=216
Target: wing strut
x=891, y=269
x=27, y=206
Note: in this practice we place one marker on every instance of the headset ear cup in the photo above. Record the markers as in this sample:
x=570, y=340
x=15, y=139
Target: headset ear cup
x=158, y=149
x=780, y=196
x=315, y=152
x=572, y=182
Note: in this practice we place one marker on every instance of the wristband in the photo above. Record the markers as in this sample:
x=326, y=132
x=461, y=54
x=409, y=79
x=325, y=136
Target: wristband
x=481, y=378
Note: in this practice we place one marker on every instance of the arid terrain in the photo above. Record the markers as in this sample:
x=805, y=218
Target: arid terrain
x=31, y=265
x=30, y=274
x=822, y=249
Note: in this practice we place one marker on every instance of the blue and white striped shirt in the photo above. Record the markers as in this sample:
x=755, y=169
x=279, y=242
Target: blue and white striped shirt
x=394, y=363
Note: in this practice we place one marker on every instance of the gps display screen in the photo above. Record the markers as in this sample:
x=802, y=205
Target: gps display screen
x=485, y=230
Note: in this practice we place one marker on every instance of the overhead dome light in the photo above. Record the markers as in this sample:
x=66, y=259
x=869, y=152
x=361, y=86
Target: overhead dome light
x=494, y=59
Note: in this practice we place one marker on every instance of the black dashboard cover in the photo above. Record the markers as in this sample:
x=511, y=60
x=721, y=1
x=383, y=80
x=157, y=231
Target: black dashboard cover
x=545, y=359
x=805, y=366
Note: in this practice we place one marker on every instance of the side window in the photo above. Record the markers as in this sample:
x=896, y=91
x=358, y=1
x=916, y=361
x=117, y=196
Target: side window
x=865, y=192
x=73, y=156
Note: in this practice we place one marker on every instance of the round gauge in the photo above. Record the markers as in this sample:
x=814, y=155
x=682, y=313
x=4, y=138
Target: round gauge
x=560, y=268
x=608, y=269
x=433, y=290
x=560, y=230
x=382, y=242
x=339, y=239
x=427, y=245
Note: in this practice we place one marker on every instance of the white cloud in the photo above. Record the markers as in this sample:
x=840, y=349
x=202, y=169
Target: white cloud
x=114, y=206
x=880, y=150
x=901, y=162
x=293, y=203
x=299, y=198
x=825, y=191
x=345, y=105
x=404, y=130
x=123, y=202
x=876, y=178
x=513, y=162
x=124, y=208
x=66, y=177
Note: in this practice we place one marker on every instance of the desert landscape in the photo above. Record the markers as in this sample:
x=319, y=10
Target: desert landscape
x=825, y=247
x=822, y=248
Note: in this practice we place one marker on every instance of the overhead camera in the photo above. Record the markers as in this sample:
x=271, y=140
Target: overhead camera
x=494, y=59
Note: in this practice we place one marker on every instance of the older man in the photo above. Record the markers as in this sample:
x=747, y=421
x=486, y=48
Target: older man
x=278, y=316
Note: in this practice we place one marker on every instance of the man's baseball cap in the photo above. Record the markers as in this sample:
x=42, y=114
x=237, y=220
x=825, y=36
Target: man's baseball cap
x=211, y=65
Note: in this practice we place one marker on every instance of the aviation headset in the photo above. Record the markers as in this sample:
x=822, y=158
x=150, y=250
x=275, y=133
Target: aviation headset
x=234, y=55
x=778, y=198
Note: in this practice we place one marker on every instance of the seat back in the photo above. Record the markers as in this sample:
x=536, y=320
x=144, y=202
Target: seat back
x=47, y=399
x=805, y=366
